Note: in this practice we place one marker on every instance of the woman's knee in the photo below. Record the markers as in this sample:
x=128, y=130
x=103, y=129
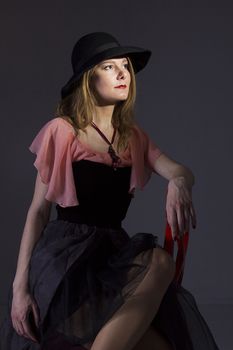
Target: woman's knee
x=163, y=261
x=153, y=340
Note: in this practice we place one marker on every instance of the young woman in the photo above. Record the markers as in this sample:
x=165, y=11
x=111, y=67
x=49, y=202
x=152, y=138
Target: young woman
x=81, y=281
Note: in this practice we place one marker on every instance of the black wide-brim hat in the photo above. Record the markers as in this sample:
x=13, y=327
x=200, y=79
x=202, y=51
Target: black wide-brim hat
x=94, y=47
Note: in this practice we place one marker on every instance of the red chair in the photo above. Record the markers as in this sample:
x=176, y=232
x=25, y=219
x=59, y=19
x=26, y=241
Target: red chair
x=181, y=253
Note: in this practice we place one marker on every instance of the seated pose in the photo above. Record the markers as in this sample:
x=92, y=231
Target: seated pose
x=82, y=282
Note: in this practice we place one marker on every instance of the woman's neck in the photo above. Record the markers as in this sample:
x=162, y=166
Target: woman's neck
x=103, y=117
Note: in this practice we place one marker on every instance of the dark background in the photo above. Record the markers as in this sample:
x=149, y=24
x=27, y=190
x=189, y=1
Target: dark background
x=184, y=102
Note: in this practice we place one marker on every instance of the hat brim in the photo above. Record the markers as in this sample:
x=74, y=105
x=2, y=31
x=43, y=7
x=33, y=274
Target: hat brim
x=138, y=56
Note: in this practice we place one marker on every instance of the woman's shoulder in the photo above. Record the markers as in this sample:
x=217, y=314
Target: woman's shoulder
x=139, y=132
x=142, y=137
x=54, y=133
x=59, y=123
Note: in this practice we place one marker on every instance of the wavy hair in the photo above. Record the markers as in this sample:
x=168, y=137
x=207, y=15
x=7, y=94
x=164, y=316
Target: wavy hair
x=79, y=106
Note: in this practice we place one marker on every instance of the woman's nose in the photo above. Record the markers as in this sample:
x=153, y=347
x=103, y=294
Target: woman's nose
x=121, y=73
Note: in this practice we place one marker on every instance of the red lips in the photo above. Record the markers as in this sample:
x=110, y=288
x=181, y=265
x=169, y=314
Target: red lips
x=120, y=86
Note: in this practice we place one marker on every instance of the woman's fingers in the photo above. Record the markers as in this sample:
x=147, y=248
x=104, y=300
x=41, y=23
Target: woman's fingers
x=193, y=216
x=35, y=311
x=28, y=333
x=18, y=327
x=180, y=210
x=187, y=220
x=180, y=218
x=25, y=322
x=172, y=220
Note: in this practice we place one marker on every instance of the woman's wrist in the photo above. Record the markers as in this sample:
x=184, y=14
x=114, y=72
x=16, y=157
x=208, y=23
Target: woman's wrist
x=179, y=181
x=185, y=178
x=20, y=285
x=20, y=289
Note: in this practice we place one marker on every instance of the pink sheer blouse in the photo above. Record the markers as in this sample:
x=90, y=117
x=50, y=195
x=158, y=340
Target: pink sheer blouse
x=56, y=146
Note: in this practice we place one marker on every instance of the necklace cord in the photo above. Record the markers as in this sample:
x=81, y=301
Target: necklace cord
x=111, y=151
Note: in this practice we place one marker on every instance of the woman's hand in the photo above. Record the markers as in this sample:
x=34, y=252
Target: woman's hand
x=179, y=207
x=22, y=305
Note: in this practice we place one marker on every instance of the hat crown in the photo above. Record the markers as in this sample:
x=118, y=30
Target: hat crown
x=90, y=45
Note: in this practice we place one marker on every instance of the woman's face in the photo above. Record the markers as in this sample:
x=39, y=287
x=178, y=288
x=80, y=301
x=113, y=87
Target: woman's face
x=108, y=75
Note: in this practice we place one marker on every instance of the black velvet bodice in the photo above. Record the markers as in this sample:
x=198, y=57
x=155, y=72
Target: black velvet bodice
x=102, y=192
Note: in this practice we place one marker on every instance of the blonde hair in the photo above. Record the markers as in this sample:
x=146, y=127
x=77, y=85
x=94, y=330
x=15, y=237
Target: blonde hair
x=78, y=107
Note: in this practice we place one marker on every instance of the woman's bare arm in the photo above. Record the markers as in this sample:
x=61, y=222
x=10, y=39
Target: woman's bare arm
x=37, y=217
x=170, y=169
x=179, y=206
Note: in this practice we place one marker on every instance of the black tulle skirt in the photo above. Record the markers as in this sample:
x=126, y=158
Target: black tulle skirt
x=81, y=274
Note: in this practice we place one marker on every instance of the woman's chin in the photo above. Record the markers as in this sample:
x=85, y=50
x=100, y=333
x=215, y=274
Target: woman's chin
x=107, y=102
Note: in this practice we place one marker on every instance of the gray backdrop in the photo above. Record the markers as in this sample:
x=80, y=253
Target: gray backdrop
x=184, y=102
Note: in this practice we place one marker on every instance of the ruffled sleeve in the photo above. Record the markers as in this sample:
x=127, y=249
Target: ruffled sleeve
x=151, y=151
x=144, y=153
x=53, y=148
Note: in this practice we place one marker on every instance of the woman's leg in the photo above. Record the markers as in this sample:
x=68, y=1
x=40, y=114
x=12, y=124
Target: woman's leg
x=152, y=339
x=124, y=330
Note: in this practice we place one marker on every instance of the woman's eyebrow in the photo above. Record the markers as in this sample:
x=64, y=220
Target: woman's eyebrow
x=124, y=60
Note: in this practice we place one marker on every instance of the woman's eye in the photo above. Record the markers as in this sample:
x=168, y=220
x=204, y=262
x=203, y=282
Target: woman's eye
x=110, y=65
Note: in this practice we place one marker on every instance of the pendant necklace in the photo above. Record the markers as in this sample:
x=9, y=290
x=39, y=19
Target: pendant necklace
x=111, y=151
